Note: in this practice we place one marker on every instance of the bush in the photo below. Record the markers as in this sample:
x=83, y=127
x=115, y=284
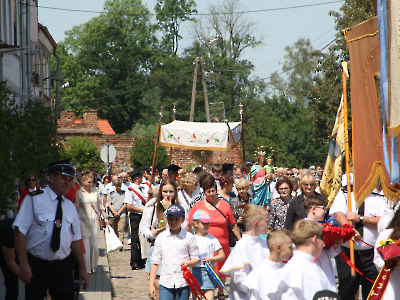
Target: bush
x=142, y=153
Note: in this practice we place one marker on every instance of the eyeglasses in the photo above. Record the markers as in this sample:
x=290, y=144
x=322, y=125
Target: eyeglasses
x=32, y=179
x=240, y=189
x=284, y=189
x=308, y=184
x=289, y=174
x=320, y=206
x=319, y=235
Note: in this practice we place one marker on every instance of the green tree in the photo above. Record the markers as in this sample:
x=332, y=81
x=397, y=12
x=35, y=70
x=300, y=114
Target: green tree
x=170, y=14
x=326, y=90
x=26, y=139
x=84, y=153
x=299, y=66
x=142, y=153
x=115, y=51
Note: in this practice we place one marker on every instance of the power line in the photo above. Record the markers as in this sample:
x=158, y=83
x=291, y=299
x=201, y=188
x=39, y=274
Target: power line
x=202, y=14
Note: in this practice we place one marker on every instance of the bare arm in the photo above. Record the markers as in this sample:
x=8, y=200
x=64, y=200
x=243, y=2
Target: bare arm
x=77, y=200
x=9, y=256
x=371, y=222
x=121, y=209
x=341, y=218
x=132, y=208
x=192, y=262
x=77, y=253
x=219, y=257
x=236, y=231
x=25, y=272
x=152, y=279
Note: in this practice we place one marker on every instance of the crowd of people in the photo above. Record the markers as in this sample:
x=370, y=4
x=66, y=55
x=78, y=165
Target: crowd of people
x=242, y=221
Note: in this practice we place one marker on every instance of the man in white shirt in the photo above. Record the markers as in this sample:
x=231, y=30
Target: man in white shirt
x=47, y=238
x=135, y=199
x=365, y=220
x=125, y=182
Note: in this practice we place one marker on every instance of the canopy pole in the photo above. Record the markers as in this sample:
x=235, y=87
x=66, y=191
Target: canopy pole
x=155, y=148
x=170, y=149
x=236, y=144
x=347, y=156
x=194, y=89
x=203, y=81
x=242, y=135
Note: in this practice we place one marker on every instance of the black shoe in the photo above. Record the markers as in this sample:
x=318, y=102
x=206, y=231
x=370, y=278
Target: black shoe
x=135, y=266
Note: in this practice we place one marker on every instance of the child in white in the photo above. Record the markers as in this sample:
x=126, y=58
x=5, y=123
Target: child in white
x=315, y=209
x=301, y=277
x=248, y=253
x=173, y=247
x=208, y=245
x=261, y=280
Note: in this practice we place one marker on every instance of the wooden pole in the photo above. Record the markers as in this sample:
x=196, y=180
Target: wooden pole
x=242, y=136
x=236, y=144
x=170, y=149
x=155, y=148
x=203, y=81
x=194, y=89
x=347, y=156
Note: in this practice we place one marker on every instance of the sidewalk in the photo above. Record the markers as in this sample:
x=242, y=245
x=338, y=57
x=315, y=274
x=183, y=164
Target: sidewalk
x=99, y=282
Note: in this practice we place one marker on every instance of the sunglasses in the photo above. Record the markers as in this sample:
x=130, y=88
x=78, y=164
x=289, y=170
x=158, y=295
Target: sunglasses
x=308, y=184
x=283, y=189
x=29, y=180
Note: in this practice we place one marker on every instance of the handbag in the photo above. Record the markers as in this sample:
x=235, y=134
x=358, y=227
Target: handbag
x=232, y=237
x=112, y=241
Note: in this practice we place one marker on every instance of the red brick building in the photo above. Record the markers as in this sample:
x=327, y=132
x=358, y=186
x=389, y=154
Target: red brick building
x=102, y=133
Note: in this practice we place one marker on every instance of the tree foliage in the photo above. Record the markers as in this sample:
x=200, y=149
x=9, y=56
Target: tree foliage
x=299, y=67
x=26, y=139
x=142, y=153
x=84, y=153
x=170, y=14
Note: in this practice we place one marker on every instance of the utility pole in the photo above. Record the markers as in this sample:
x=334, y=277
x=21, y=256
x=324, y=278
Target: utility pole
x=199, y=61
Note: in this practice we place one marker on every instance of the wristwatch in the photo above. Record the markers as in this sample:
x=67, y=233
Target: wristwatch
x=361, y=219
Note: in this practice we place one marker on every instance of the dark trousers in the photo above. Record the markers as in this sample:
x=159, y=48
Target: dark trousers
x=364, y=261
x=57, y=277
x=10, y=280
x=136, y=255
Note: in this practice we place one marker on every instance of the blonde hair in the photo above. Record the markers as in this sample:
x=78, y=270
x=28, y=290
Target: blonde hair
x=241, y=183
x=307, y=178
x=188, y=180
x=277, y=236
x=303, y=230
x=253, y=213
x=87, y=175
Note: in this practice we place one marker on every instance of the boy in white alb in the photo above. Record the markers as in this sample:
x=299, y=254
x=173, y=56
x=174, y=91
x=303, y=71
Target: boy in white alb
x=248, y=253
x=173, y=247
x=261, y=280
x=301, y=277
x=208, y=245
x=315, y=209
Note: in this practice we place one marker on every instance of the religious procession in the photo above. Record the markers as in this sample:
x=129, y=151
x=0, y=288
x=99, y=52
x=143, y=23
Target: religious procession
x=224, y=227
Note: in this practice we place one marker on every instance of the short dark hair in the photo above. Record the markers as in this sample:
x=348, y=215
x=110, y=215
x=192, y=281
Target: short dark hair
x=318, y=164
x=241, y=167
x=207, y=181
x=313, y=200
x=225, y=179
x=283, y=180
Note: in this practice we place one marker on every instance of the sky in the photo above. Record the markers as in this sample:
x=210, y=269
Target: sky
x=281, y=28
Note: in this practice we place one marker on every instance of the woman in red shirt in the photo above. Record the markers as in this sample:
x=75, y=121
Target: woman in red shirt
x=31, y=183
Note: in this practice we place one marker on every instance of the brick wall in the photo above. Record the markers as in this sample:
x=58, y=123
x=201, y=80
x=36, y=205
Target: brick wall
x=68, y=126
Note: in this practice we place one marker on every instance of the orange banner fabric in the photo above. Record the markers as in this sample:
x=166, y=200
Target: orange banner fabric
x=363, y=43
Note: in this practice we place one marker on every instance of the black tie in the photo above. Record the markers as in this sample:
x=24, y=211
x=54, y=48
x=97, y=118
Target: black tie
x=55, y=238
x=359, y=226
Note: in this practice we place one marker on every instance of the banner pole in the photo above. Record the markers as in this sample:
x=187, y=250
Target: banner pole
x=155, y=148
x=170, y=149
x=242, y=136
x=347, y=156
x=236, y=144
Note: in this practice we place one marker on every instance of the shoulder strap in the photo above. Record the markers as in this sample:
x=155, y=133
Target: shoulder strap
x=220, y=211
x=137, y=194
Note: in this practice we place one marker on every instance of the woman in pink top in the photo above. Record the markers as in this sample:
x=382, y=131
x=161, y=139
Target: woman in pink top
x=219, y=226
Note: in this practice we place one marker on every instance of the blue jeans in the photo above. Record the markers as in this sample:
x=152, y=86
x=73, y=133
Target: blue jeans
x=174, y=294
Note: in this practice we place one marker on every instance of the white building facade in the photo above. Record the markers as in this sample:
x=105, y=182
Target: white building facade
x=25, y=50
